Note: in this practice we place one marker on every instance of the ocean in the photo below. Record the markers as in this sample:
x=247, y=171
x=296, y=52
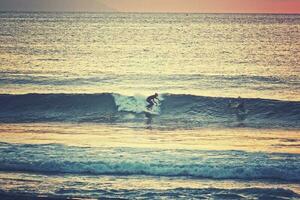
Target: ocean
x=73, y=117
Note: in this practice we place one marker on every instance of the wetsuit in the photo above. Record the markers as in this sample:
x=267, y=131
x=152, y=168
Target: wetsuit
x=151, y=101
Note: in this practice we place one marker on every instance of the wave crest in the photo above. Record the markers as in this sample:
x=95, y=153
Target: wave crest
x=182, y=109
x=154, y=162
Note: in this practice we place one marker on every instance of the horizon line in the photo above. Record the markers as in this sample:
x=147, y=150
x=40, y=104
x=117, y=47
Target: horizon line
x=152, y=12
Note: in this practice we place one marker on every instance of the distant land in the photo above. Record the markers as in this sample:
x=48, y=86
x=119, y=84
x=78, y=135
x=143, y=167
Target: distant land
x=54, y=5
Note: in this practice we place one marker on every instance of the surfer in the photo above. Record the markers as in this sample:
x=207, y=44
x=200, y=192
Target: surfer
x=241, y=105
x=238, y=106
x=151, y=101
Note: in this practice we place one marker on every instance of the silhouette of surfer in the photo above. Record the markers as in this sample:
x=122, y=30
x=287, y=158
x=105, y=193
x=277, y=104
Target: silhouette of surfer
x=241, y=105
x=240, y=109
x=151, y=101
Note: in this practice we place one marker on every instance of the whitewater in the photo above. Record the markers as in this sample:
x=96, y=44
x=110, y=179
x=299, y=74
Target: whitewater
x=173, y=110
x=73, y=117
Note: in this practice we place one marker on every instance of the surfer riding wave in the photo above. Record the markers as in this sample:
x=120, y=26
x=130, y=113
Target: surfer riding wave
x=151, y=101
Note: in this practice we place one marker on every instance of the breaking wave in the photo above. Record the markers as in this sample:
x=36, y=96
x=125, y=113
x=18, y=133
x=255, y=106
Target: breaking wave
x=178, y=193
x=154, y=162
x=116, y=108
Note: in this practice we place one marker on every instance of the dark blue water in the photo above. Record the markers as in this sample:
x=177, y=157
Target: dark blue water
x=181, y=110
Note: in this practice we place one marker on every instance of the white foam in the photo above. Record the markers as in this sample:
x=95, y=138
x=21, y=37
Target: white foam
x=155, y=162
x=136, y=104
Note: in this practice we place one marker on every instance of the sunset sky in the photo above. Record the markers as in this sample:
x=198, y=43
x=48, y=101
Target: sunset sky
x=197, y=6
x=231, y=6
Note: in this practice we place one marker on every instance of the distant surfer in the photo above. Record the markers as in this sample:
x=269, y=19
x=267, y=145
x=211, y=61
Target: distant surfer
x=151, y=101
x=239, y=105
x=240, y=109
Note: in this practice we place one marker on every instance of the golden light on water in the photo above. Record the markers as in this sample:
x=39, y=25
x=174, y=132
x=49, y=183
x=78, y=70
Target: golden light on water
x=91, y=135
x=81, y=127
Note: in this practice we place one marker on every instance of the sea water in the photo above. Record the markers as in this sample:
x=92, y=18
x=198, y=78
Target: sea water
x=72, y=106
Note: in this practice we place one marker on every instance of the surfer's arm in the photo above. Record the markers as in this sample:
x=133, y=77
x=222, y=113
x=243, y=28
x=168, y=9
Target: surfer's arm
x=155, y=101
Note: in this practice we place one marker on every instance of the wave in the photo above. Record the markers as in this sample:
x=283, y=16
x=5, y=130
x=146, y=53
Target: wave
x=153, y=162
x=177, y=109
x=188, y=193
x=177, y=193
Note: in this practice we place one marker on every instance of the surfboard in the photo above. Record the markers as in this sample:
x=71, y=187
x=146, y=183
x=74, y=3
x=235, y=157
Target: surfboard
x=234, y=105
x=150, y=113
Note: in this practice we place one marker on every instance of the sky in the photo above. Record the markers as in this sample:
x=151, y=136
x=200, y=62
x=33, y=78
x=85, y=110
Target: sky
x=208, y=6
x=194, y=6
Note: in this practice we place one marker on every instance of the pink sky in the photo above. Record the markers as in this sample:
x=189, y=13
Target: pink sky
x=207, y=6
x=197, y=6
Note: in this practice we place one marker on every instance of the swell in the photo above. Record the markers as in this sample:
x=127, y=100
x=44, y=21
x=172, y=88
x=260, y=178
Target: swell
x=54, y=107
x=109, y=107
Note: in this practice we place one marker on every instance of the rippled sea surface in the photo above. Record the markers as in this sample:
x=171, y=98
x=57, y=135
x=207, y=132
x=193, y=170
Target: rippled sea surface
x=203, y=54
x=73, y=122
